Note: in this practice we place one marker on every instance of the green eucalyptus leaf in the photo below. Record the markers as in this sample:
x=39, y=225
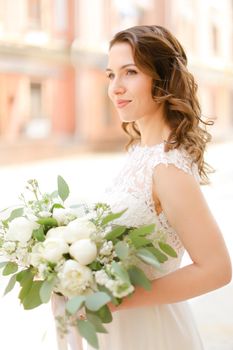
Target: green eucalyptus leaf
x=10, y=284
x=120, y=271
x=46, y=289
x=139, y=241
x=63, y=188
x=57, y=205
x=48, y=222
x=10, y=267
x=87, y=331
x=122, y=250
x=138, y=278
x=115, y=233
x=74, y=304
x=143, y=230
x=96, y=300
x=96, y=321
x=23, y=275
x=95, y=265
x=115, y=301
x=38, y=234
x=166, y=248
x=3, y=263
x=112, y=216
x=104, y=314
x=15, y=214
x=147, y=257
x=25, y=289
x=158, y=254
x=32, y=298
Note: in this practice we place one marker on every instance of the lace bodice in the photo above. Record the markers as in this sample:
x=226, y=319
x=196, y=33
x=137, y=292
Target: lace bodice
x=132, y=189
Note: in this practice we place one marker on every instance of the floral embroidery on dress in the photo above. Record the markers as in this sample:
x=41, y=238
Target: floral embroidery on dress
x=132, y=189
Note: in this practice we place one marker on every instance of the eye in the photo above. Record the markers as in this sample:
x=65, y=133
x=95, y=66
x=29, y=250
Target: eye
x=110, y=76
x=131, y=72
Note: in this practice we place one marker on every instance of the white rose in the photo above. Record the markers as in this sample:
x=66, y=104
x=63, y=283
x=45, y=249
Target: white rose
x=84, y=251
x=78, y=229
x=74, y=279
x=57, y=232
x=20, y=229
x=64, y=215
x=54, y=248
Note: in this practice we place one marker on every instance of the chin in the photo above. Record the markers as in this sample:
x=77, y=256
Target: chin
x=125, y=119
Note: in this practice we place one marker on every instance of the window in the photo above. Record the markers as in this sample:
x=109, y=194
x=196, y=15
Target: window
x=34, y=14
x=39, y=125
x=36, y=100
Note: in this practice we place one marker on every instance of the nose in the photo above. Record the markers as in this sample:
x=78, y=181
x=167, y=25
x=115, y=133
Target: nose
x=117, y=88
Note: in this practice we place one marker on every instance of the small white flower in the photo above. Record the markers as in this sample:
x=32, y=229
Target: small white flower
x=84, y=251
x=22, y=255
x=9, y=247
x=20, y=229
x=74, y=279
x=64, y=215
x=121, y=291
x=101, y=277
x=78, y=229
x=54, y=248
x=106, y=248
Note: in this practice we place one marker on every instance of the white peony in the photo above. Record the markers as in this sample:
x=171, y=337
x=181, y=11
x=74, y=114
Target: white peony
x=57, y=232
x=78, y=229
x=74, y=279
x=54, y=248
x=36, y=255
x=84, y=251
x=44, y=214
x=64, y=215
x=20, y=229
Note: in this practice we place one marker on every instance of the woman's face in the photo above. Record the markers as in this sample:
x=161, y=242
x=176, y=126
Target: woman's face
x=129, y=88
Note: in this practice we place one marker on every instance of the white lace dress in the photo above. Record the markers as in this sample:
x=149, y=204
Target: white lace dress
x=164, y=327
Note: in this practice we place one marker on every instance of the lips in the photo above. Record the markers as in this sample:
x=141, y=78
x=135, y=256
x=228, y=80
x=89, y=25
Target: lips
x=122, y=103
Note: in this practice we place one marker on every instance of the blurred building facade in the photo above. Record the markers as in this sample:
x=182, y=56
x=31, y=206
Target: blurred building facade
x=53, y=55
x=37, y=85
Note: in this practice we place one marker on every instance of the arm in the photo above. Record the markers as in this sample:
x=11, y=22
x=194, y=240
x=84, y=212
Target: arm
x=188, y=213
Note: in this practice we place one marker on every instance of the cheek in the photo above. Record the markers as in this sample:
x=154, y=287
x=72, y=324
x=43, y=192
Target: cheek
x=110, y=95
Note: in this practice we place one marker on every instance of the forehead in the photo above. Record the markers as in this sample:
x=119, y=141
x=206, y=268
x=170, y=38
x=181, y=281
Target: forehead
x=120, y=54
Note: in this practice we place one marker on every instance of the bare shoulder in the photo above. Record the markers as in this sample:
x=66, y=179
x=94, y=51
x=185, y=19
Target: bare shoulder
x=188, y=213
x=178, y=192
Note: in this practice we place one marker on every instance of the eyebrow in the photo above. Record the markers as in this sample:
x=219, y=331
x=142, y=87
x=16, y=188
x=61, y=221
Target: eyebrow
x=122, y=67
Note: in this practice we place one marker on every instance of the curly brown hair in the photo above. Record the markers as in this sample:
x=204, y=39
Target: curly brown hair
x=159, y=54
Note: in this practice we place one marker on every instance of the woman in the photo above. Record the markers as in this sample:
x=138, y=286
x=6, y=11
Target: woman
x=155, y=96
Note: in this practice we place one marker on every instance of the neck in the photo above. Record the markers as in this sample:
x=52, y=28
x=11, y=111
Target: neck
x=153, y=128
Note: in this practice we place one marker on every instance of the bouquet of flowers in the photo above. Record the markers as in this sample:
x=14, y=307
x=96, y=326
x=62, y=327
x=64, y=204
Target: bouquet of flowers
x=79, y=252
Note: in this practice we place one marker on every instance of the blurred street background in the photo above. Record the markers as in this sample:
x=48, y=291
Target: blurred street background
x=56, y=118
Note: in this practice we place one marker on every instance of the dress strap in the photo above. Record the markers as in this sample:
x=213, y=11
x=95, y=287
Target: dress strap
x=179, y=158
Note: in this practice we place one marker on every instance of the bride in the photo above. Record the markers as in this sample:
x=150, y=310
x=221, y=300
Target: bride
x=155, y=96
